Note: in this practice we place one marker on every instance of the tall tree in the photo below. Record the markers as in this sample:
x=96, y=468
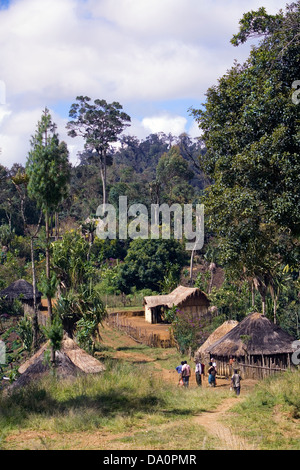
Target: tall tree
x=99, y=124
x=20, y=180
x=48, y=172
x=251, y=131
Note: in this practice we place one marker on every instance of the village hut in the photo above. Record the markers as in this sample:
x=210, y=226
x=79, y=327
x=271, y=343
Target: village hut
x=188, y=299
x=258, y=346
x=202, y=353
x=71, y=361
x=23, y=291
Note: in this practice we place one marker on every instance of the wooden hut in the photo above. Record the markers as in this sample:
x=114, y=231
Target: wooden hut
x=23, y=291
x=187, y=299
x=202, y=354
x=258, y=346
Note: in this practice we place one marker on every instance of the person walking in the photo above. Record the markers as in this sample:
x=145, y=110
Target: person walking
x=212, y=372
x=185, y=374
x=179, y=370
x=199, y=370
x=236, y=382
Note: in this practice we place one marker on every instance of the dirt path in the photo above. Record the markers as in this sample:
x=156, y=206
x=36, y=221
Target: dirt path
x=212, y=422
x=213, y=425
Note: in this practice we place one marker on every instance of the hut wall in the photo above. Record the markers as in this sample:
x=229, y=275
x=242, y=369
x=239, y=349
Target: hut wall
x=196, y=301
x=28, y=308
x=148, y=314
x=42, y=318
x=196, y=306
x=153, y=314
x=254, y=367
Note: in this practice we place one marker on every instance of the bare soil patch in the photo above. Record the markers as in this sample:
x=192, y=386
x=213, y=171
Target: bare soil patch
x=211, y=421
x=139, y=322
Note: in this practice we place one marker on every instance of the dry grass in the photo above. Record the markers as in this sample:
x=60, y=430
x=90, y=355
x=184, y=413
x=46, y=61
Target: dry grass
x=135, y=404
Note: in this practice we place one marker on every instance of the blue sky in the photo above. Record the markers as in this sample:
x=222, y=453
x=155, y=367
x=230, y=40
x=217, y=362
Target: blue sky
x=156, y=57
x=4, y=4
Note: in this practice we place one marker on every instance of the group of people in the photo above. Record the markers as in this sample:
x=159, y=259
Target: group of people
x=184, y=371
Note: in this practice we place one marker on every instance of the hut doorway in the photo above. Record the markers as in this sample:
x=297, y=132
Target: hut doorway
x=157, y=314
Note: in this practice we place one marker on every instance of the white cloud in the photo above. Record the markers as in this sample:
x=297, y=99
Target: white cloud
x=194, y=130
x=190, y=20
x=129, y=49
x=16, y=129
x=119, y=50
x=165, y=123
x=15, y=133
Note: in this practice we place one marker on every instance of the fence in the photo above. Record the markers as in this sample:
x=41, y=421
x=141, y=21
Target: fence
x=250, y=371
x=140, y=335
x=258, y=371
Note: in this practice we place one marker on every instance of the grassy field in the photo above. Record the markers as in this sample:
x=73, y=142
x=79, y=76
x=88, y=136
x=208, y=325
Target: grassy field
x=269, y=416
x=129, y=406
x=136, y=404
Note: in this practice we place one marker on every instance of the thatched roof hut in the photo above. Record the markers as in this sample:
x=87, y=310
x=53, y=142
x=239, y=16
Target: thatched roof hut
x=189, y=299
x=71, y=361
x=20, y=289
x=23, y=291
x=257, y=344
x=203, y=353
x=176, y=297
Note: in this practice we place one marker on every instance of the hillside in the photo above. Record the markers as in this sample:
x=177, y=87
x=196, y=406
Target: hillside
x=138, y=403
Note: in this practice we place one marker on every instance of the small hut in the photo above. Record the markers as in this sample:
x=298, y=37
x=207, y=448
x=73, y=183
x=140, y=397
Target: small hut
x=202, y=353
x=258, y=346
x=187, y=299
x=71, y=361
x=23, y=291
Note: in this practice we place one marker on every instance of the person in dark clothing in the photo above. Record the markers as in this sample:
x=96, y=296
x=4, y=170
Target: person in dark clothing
x=199, y=371
x=212, y=372
x=236, y=382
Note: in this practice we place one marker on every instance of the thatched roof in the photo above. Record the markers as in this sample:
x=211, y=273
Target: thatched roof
x=176, y=297
x=255, y=335
x=70, y=362
x=20, y=289
x=216, y=335
x=80, y=358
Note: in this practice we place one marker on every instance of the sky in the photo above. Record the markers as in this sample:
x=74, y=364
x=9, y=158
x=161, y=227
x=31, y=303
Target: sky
x=157, y=58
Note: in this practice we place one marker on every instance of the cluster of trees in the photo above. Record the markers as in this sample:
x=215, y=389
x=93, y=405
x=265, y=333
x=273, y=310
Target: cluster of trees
x=38, y=214
x=251, y=130
x=247, y=175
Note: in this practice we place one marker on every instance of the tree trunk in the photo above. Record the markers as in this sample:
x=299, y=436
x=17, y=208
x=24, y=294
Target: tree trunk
x=212, y=268
x=103, y=176
x=49, y=300
x=262, y=289
x=191, y=267
x=263, y=302
x=252, y=294
x=275, y=309
x=56, y=226
x=35, y=310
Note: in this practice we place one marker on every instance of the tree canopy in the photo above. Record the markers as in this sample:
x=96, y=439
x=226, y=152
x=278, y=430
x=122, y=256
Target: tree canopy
x=99, y=124
x=251, y=130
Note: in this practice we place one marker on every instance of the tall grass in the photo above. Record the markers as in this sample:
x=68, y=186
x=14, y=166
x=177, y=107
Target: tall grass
x=124, y=399
x=270, y=415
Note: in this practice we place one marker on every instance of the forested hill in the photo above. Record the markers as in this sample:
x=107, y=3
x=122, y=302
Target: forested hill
x=147, y=171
